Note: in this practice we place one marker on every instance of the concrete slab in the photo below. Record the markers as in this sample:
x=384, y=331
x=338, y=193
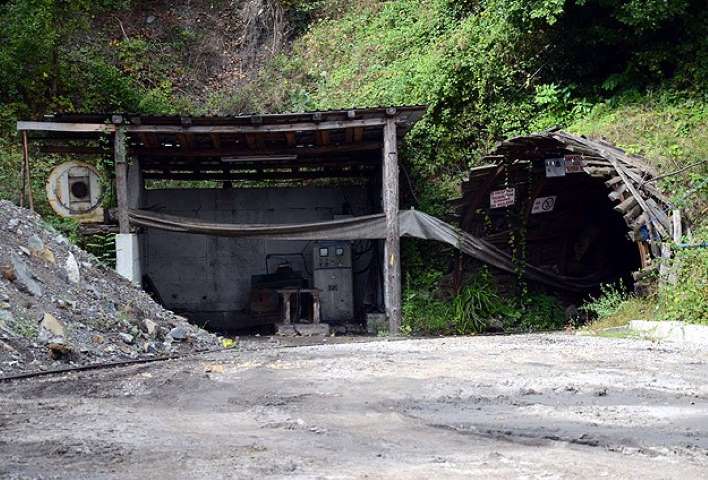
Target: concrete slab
x=128, y=257
x=671, y=331
x=286, y=331
x=311, y=329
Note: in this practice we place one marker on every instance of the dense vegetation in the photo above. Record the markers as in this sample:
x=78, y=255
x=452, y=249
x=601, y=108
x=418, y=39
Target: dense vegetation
x=633, y=71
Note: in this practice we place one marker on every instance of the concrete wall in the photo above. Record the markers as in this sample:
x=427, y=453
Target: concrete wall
x=209, y=278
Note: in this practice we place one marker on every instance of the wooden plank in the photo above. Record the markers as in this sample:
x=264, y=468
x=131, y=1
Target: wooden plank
x=268, y=128
x=349, y=135
x=322, y=138
x=149, y=140
x=617, y=194
x=290, y=139
x=632, y=215
x=660, y=215
x=621, y=171
x=186, y=140
x=255, y=175
x=121, y=169
x=392, y=260
x=613, y=181
x=251, y=142
x=174, y=129
x=626, y=205
x=66, y=127
x=358, y=135
x=240, y=151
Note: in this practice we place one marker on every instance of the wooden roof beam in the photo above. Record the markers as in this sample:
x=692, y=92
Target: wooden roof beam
x=254, y=148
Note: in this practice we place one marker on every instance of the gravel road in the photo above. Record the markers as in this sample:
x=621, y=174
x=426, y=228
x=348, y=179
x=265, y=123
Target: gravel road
x=530, y=406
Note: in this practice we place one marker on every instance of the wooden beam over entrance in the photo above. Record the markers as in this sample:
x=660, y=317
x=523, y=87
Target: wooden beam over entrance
x=392, y=250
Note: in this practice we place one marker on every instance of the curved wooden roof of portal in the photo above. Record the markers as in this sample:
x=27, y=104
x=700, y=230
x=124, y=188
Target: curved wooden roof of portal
x=647, y=212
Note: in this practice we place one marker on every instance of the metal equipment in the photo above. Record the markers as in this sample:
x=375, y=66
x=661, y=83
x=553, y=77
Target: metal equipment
x=265, y=304
x=74, y=190
x=332, y=272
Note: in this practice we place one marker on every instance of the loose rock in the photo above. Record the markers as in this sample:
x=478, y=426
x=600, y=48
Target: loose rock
x=50, y=328
x=149, y=327
x=42, y=270
x=23, y=277
x=35, y=245
x=127, y=338
x=179, y=333
x=5, y=319
x=72, y=269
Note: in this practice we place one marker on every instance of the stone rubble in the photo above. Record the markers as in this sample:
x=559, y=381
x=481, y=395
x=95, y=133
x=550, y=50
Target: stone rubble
x=60, y=307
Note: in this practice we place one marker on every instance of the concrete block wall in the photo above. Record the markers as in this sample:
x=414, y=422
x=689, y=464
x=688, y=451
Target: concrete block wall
x=209, y=278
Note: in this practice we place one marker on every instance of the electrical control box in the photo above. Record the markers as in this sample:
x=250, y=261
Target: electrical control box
x=332, y=272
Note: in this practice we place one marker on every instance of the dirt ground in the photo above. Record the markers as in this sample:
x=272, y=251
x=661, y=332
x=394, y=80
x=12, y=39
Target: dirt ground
x=532, y=406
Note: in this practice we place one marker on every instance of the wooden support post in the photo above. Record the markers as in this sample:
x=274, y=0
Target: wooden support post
x=676, y=220
x=316, y=306
x=121, y=166
x=286, y=308
x=392, y=260
x=26, y=176
x=23, y=176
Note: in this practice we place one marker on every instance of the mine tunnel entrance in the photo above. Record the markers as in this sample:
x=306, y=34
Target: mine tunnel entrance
x=566, y=207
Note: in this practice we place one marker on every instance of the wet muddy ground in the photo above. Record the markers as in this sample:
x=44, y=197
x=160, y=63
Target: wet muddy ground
x=532, y=406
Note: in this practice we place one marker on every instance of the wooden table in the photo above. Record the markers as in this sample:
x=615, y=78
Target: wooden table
x=287, y=293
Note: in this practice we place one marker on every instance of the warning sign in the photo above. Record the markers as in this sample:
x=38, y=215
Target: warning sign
x=502, y=198
x=574, y=164
x=555, y=167
x=544, y=204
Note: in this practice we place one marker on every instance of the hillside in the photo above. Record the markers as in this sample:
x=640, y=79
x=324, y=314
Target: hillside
x=633, y=72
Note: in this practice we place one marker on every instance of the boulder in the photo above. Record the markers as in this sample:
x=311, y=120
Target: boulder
x=71, y=267
x=59, y=349
x=50, y=328
x=35, y=245
x=37, y=249
x=179, y=333
x=149, y=327
x=127, y=338
x=5, y=318
x=23, y=277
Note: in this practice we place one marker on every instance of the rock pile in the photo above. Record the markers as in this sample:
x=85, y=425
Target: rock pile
x=59, y=306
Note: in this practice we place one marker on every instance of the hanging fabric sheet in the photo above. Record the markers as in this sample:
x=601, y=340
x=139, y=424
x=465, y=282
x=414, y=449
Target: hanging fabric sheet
x=370, y=227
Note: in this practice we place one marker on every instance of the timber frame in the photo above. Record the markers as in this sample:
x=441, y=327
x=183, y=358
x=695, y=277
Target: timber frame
x=627, y=183
x=360, y=143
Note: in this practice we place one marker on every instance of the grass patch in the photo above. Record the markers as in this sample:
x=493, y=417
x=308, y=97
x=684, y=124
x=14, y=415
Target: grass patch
x=626, y=310
x=478, y=307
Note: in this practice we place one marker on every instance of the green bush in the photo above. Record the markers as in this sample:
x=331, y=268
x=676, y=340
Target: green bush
x=608, y=302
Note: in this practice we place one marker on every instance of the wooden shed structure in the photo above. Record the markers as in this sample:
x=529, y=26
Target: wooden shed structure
x=581, y=208
x=279, y=157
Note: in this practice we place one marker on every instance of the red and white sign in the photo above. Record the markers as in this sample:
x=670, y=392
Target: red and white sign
x=544, y=204
x=574, y=164
x=502, y=198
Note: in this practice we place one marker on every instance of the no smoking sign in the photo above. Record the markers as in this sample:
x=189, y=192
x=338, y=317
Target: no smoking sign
x=544, y=204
